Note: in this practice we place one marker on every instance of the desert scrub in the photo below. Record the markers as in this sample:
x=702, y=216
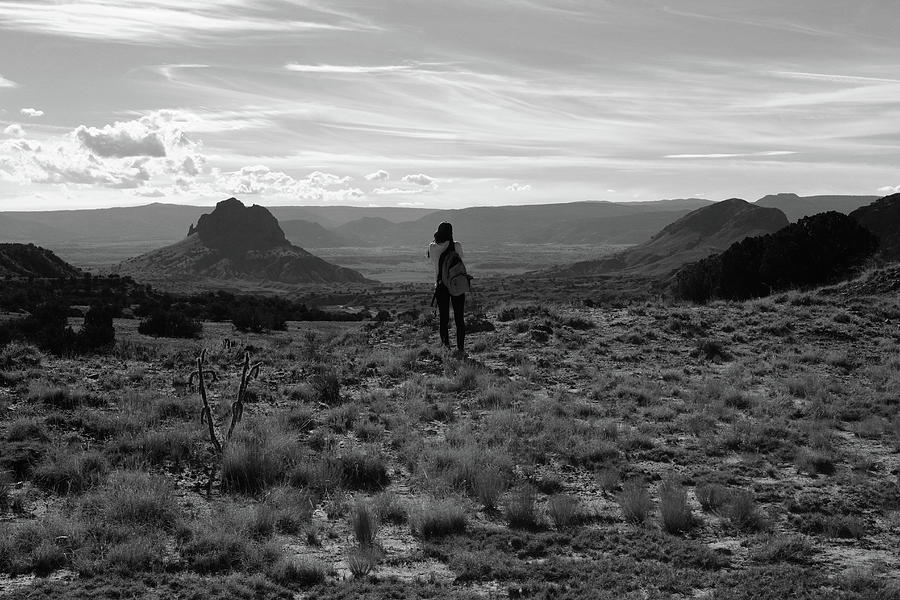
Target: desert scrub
x=488, y=485
x=520, y=508
x=608, y=479
x=437, y=518
x=674, y=510
x=362, y=561
x=253, y=461
x=783, y=548
x=564, y=510
x=711, y=496
x=39, y=546
x=363, y=470
x=364, y=524
x=68, y=472
x=133, y=498
x=635, y=502
x=61, y=398
x=814, y=462
x=326, y=386
x=742, y=512
x=297, y=571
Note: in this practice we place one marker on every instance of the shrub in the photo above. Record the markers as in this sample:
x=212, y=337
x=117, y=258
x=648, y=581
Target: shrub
x=521, y=508
x=170, y=323
x=437, y=519
x=361, y=561
x=297, y=571
x=564, y=510
x=26, y=428
x=326, y=386
x=134, y=498
x=635, y=502
x=791, y=548
x=363, y=471
x=254, y=461
x=743, y=513
x=67, y=472
x=488, y=486
x=217, y=550
x=364, y=523
x=608, y=478
x=711, y=496
x=675, y=512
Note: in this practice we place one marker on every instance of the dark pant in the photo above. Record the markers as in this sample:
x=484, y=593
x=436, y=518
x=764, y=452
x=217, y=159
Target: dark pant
x=444, y=299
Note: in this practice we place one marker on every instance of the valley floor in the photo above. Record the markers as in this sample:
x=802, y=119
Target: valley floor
x=649, y=450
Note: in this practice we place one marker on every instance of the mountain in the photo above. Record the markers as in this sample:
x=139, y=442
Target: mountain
x=796, y=207
x=698, y=234
x=28, y=260
x=236, y=242
x=882, y=218
x=309, y=234
x=561, y=223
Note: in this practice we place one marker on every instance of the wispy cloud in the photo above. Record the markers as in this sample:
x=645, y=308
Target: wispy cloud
x=345, y=69
x=854, y=79
x=733, y=154
x=6, y=83
x=152, y=21
x=31, y=112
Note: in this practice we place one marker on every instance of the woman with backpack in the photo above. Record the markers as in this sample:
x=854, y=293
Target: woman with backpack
x=442, y=251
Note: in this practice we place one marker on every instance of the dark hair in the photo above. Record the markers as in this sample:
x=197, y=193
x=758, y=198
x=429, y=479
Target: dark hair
x=444, y=233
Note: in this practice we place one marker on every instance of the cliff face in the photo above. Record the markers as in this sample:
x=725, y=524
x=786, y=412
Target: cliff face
x=236, y=242
x=233, y=228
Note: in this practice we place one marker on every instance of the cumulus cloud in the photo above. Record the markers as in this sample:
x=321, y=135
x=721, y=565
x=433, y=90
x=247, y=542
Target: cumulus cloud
x=518, y=187
x=395, y=192
x=121, y=140
x=4, y=82
x=14, y=130
x=259, y=179
x=889, y=189
x=31, y=112
x=125, y=154
x=379, y=175
x=418, y=179
x=320, y=179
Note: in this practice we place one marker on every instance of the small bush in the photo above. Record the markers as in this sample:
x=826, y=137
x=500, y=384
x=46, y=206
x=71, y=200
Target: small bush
x=134, y=498
x=361, y=561
x=297, y=571
x=171, y=324
x=814, y=462
x=488, y=486
x=326, y=385
x=635, y=501
x=70, y=473
x=363, y=471
x=437, y=519
x=675, y=512
x=711, y=496
x=791, y=549
x=521, y=508
x=256, y=461
x=743, y=513
x=564, y=511
x=608, y=479
x=364, y=523
x=27, y=428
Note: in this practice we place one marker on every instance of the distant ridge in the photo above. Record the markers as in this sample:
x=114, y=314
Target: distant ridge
x=796, y=207
x=698, y=234
x=28, y=260
x=236, y=242
x=882, y=218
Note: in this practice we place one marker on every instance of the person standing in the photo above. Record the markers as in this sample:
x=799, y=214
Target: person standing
x=443, y=240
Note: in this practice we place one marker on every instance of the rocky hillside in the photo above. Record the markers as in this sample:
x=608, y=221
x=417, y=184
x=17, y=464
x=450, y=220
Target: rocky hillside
x=236, y=242
x=28, y=260
x=698, y=234
x=882, y=218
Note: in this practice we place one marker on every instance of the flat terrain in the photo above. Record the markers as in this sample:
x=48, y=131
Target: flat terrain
x=636, y=450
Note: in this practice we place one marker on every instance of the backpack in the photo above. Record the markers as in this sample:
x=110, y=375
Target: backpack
x=452, y=272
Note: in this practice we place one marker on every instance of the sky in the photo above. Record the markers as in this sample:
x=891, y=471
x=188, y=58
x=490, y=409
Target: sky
x=444, y=103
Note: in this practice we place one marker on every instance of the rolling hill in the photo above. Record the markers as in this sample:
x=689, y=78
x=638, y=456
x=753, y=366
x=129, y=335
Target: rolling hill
x=699, y=234
x=796, y=207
